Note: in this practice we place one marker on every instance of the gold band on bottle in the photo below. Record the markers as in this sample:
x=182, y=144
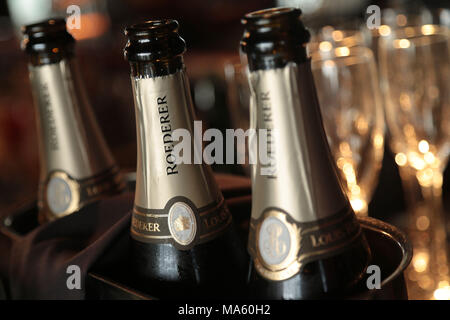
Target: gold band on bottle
x=77, y=166
x=297, y=200
x=61, y=195
x=180, y=223
x=175, y=202
x=281, y=247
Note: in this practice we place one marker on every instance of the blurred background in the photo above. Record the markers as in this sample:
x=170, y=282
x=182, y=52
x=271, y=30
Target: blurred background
x=212, y=31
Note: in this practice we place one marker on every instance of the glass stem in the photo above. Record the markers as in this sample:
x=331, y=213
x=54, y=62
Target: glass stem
x=438, y=238
x=426, y=230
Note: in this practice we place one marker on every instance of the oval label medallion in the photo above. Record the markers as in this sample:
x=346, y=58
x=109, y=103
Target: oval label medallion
x=59, y=195
x=274, y=241
x=182, y=223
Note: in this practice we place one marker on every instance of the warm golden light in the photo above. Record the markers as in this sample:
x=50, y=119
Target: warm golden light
x=422, y=223
x=342, y=51
x=361, y=125
x=442, y=293
x=340, y=162
x=329, y=64
x=416, y=161
x=325, y=46
x=384, y=30
x=401, y=20
x=356, y=195
x=344, y=148
x=337, y=35
x=355, y=190
x=400, y=159
x=327, y=30
x=429, y=158
x=427, y=29
x=425, y=177
x=349, y=173
x=409, y=131
x=409, y=31
x=420, y=261
x=378, y=140
x=437, y=181
x=424, y=146
x=443, y=270
x=92, y=25
x=402, y=43
x=412, y=275
x=358, y=205
x=405, y=102
x=351, y=178
x=426, y=282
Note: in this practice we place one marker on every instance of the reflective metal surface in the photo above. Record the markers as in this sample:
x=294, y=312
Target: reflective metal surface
x=76, y=165
x=71, y=140
x=302, y=179
x=163, y=104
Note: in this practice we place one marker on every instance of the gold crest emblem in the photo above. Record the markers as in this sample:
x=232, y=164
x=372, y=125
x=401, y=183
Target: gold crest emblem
x=182, y=223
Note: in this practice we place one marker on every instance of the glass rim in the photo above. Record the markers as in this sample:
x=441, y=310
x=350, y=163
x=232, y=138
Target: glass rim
x=343, y=52
x=343, y=37
x=415, y=34
x=411, y=19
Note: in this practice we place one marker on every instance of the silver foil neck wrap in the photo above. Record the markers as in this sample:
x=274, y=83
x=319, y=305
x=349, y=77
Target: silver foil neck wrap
x=300, y=176
x=162, y=105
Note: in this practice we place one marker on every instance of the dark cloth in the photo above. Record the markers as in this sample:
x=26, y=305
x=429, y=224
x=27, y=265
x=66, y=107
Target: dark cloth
x=5, y=249
x=39, y=261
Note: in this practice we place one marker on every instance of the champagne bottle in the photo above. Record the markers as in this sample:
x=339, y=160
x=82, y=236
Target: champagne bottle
x=76, y=165
x=304, y=238
x=183, y=240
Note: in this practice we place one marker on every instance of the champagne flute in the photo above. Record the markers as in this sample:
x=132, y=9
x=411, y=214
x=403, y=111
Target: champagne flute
x=415, y=69
x=337, y=38
x=392, y=19
x=347, y=86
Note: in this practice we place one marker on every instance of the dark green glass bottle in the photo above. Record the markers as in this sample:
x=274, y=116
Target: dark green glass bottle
x=183, y=240
x=77, y=167
x=305, y=240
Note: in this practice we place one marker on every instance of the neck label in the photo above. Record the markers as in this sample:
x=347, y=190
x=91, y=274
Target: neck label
x=180, y=223
x=281, y=247
x=163, y=105
x=166, y=131
x=300, y=212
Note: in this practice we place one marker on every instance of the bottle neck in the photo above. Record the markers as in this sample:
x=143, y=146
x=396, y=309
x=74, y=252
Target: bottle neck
x=298, y=176
x=176, y=202
x=47, y=42
x=77, y=167
x=261, y=58
x=164, y=110
x=154, y=69
x=70, y=139
x=273, y=38
x=50, y=54
x=300, y=213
